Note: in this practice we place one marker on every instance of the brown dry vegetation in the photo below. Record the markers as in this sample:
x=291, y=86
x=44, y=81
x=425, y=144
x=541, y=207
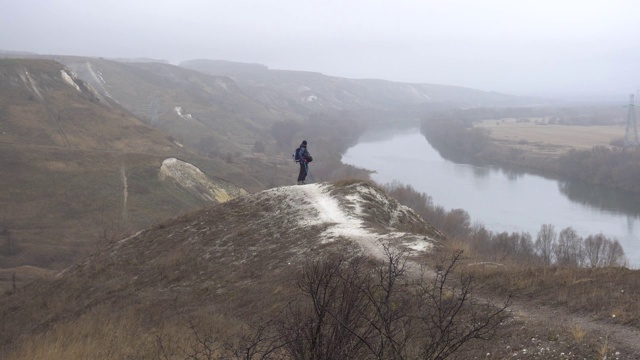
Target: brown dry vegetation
x=581, y=312
x=209, y=279
x=237, y=261
x=550, y=139
x=578, y=311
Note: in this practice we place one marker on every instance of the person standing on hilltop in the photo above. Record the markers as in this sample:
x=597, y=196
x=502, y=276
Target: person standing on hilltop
x=303, y=157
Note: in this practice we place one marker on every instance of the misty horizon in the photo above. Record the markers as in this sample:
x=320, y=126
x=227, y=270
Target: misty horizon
x=569, y=49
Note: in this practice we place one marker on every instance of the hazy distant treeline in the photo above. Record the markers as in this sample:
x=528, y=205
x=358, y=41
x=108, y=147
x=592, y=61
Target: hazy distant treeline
x=584, y=115
x=456, y=139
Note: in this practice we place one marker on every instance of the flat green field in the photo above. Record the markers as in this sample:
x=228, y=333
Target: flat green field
x=550, y=139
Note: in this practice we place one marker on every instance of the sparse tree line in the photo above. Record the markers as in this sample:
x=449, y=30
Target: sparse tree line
x=356, y=307
x=564, y=248
x=457, y=140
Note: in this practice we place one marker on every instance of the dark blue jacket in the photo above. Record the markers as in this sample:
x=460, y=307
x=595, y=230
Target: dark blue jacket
x=303, y=154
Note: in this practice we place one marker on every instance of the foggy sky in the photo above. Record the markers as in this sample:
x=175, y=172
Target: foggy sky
x=544, y=47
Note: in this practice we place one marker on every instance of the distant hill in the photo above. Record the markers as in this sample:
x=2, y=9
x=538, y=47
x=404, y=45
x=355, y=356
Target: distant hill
x=79, y=169
x=226, y=266
x=189, y=105
x=16, y=53
x=311, y=91
x=223, y=108
x=94, y=127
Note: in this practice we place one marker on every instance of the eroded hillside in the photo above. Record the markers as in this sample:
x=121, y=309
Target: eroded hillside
x=80, y=170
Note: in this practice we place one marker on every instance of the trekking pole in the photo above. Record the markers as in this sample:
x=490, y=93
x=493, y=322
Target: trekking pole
x=306, y=167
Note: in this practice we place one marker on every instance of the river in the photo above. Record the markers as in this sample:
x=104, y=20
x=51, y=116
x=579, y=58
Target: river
x=501, y=199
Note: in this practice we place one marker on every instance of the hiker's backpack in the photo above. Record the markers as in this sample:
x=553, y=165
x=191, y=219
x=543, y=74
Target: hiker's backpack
x=296, y=155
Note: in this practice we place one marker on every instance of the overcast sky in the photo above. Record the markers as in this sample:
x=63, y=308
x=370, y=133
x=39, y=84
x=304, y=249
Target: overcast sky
x=542, y=47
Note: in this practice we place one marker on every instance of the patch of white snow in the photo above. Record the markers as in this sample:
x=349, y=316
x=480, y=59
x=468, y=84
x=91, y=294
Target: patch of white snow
x=317, y=206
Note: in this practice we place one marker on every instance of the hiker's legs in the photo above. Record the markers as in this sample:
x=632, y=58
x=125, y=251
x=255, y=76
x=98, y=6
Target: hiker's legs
x=302, y=174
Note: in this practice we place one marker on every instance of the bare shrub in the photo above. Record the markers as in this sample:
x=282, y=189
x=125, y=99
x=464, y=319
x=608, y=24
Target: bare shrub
x=457, y=222
x=602, y=251
x=408, y=196
x=504, y=245
x=322, y=327
x=201, y=340
x=449, y=314
x=352, y=309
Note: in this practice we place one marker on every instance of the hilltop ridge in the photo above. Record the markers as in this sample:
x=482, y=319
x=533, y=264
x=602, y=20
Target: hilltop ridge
x=221, y=261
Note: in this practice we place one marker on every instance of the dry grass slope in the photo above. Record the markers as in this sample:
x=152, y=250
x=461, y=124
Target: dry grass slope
x=230, y=264
x=79, y=168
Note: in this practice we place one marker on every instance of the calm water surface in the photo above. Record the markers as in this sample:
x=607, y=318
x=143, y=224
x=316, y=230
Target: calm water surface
x=502, y=200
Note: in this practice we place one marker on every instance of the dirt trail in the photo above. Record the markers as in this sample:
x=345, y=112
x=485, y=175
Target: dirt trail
x=623, y=338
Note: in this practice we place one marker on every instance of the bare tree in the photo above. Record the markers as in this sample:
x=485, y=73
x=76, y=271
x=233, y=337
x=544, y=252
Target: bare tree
x=544, y=243
x=594, y=248
x=615, y=256
x=526, y=247
x=602, y=251
x=568, y=250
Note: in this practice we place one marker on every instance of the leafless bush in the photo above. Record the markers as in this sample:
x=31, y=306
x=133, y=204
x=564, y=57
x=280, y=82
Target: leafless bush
x=330, y=323
x=457, y=223
x=351, y=310
x=201, y=345
x=450, y=316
